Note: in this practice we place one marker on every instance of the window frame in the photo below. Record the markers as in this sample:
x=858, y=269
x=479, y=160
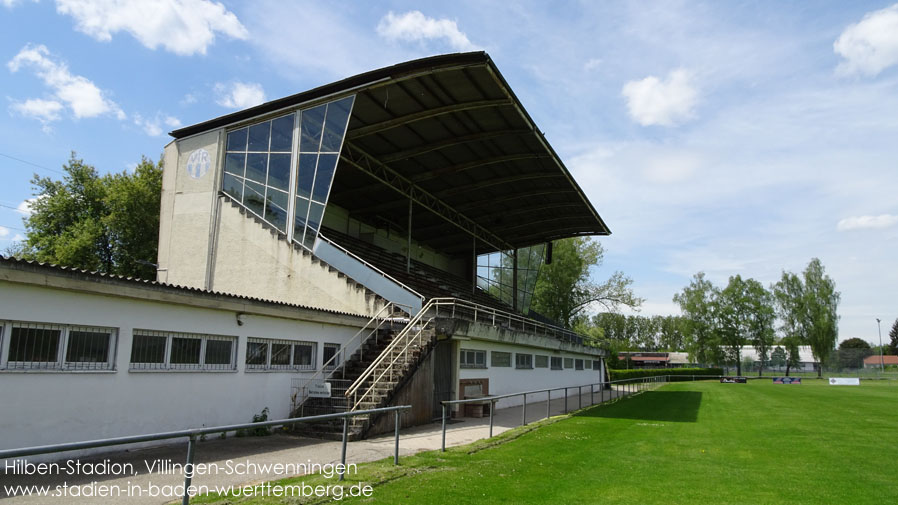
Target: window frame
x=523, y=364
x=503, y=355
x=578, y=364
x=63, y=346
x=268, y=366
x=568, y=363
x=556, y=359
x=167, y=366
x=541, y=358
x=463, y=362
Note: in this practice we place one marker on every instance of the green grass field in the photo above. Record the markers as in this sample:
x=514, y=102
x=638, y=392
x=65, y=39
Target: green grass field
x=685, y=443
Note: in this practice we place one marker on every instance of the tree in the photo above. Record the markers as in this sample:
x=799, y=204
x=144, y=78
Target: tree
x=108, y=224
x=696, y=303
x=793, y=354
x=672, y=338
x=893, y=336
x=852, y=352
x=808, y=305
x=778, y=357
x=821, y=301
x=564, y=288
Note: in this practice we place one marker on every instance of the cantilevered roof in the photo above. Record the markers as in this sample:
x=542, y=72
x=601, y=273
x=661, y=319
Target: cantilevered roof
x=448, y=132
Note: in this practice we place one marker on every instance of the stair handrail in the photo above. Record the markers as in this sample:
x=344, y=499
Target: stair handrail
x=369, y=265
x=392, y=364
x=413, y=322
x=330, y=367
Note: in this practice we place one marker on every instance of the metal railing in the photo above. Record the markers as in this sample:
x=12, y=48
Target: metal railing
x=624, y=387
x=456, y=307
x=383, y=316
x=409, y=338
x=193, y=434
x=372, y=267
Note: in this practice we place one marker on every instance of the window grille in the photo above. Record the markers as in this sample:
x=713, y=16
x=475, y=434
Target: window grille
x=470, y=358
x=556, y=362
x=523, y=361
x=542, y=361
x=330, y=350
x=596, y=364
x=499, y=359
x=275, y=354
x=167, y=350
x=578, y=364
x=37, y=346
x=569, y=362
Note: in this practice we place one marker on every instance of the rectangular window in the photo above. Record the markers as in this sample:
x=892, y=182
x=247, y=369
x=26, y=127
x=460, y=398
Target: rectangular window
x=500, y=358
x=578, y=364
x=596, y=364
x=542, y=361
x=58, y=347
x=523, y=361
x=470, y=358
x=168, y=350
x=569, y=362
x=330, y=350
x=271, y=354
x=556, y=362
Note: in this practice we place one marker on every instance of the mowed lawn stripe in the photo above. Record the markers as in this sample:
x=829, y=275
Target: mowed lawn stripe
x=685, y=443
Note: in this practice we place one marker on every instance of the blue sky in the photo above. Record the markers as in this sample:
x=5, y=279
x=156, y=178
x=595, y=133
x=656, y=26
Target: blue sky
x=726, y=137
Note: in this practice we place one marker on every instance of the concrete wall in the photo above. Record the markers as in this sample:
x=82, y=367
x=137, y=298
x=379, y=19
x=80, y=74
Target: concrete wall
x=205, y=242
x=46, y=407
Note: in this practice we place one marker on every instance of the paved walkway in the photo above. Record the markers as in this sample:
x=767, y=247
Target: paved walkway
x=262, y=451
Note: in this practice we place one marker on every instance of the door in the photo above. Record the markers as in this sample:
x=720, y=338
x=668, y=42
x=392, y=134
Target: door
x=443, y=364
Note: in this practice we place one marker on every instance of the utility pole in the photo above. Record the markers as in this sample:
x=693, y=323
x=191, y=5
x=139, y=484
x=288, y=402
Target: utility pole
x=882, y=365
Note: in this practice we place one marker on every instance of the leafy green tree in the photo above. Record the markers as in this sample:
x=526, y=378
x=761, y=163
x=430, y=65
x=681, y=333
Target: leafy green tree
x=672, y=338
x=893, y=337
x=104, y=223
x=778, y=357
x=565, y=289
x=808, y=307
x=745, y=316
x=852, y=352
x=793, y=355
x=696, y=301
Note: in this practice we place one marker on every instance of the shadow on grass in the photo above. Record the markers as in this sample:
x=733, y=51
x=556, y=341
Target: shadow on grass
x=671, y=406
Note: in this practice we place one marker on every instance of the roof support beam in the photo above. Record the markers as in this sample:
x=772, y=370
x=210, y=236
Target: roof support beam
x=440, y=172
x=465, y=188
x=449, y=142
x=363, y=161
x=424, y=114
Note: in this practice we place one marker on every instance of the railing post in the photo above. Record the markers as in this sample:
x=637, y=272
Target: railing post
x=443, y=446
x=492, y=409
x=524, y=411
x=579, y=397
x=592, y=395
x=565, y=400
x=548, y=403
x=188, y=469
x=396, y=449
x=343, y=452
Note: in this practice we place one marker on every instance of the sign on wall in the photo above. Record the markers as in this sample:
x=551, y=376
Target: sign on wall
x=319, y=389
x=787, y=380
x=198, y=163
x=844, y=381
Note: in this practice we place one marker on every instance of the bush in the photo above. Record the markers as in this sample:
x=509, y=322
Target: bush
x=617, y=375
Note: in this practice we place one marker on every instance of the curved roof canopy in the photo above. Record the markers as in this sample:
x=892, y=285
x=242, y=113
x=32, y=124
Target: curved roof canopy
x=448, y=132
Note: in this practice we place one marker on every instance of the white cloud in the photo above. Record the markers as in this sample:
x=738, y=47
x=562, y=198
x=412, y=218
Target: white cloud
x=867, y=222
x=183, y=27
x=4, y=232
x=25, y=206
x=9, y=4
x=153, y=127
x=592, y=64
x=652, y=101
x=239, y=95
x=871, y=45
x=45, y=111
x=413, y=26
x=81, y=95
x=18, y=237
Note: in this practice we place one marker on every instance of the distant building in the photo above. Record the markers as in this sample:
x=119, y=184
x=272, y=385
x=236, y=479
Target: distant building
x=875, y=362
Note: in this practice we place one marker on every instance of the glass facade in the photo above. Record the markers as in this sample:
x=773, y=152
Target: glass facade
x=495, y=274
x=263, y=159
